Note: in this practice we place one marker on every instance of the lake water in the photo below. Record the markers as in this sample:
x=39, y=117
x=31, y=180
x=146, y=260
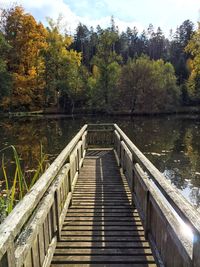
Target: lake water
x=172, y=143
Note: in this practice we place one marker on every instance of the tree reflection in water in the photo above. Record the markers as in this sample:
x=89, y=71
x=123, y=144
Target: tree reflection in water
x=172, y=143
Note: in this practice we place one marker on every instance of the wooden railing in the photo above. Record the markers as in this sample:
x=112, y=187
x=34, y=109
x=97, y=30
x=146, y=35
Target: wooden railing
x=29, y=234
x=100, y=135
x=171, y=224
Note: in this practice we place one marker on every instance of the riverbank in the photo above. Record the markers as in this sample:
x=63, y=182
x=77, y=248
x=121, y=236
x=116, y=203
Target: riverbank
x=88, y=112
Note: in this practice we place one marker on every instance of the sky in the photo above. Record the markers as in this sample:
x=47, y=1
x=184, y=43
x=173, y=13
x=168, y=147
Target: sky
x=168, y=14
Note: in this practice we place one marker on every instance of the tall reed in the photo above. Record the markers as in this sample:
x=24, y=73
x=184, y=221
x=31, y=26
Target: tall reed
x=19, y=186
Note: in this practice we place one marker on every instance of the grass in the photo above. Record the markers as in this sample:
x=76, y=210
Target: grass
x=19, y=187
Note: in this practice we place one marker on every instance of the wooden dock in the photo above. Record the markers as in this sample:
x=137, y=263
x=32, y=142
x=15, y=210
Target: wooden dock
x=101, y=203
x=102, y=227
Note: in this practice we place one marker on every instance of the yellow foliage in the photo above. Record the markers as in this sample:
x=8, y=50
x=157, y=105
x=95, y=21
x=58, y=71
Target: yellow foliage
x=32, y=72
x=95, y=71
x=27, y=38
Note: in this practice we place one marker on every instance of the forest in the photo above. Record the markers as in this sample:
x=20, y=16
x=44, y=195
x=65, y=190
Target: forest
x=96, y=70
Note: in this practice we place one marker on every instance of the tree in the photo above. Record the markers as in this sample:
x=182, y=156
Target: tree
x=82, y=43
x=107, y=63
x=142, y=44
x=26, y=38
x=61, y=66
x=148, y=86
x=5, y=77
x=178, y=54
x=193, y=48
x=157, y=44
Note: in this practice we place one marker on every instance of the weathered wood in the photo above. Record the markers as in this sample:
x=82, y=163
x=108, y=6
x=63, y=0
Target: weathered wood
x=41, y=246
x=35, y=252
x=103, y=259
x=15, y=221
x=107, y=265
x=161, y=210
x=166, y=229
x=50, y=252
x=28, y=261
x=100, y=137
x=41, y=225
x=196, y=250
x=98, y=244
x=34, y=245
x=179, y=203
x=96, y=225
x=108, y=251
x=102, y=221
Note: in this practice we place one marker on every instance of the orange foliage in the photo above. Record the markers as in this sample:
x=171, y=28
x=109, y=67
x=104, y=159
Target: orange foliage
x=27, y=38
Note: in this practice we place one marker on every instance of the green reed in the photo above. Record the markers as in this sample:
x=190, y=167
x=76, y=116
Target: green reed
x=19, y=186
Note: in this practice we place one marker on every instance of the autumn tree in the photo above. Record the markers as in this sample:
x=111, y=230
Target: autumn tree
x=193, y=48
x=26, y=38
x=5, y=77
x=61, y=66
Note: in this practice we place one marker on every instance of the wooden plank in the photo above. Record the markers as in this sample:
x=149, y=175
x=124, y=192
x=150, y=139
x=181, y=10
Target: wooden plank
x=104, y=231
x=50, y=252
x=103, y=251
x=64, y=211
x=105, y=219
x=94, y=224
x=99, y=244
x=28, y=261
x=108, y=228
x=50, y=221
x=35, y=253
x=102, y=209
x=41, y=246
x=104, y=259
x=107, y=265
x=46, y=235
x=10, y=253
x=107, y=240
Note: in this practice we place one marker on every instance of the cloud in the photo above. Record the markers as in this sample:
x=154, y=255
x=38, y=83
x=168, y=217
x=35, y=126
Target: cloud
x=127, y=13
x=41, y=9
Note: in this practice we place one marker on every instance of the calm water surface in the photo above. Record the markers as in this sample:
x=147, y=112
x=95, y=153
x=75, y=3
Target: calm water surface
x=172, y=143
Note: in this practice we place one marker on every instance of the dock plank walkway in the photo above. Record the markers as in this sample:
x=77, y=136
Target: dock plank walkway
x=102, y=227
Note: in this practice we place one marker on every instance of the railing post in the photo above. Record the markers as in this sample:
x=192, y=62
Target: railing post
x=196, y=250
x=117, y=146
x=133, y=180
x=120, y=145
x=57, y=201
x=147, y=214
x=8, y=259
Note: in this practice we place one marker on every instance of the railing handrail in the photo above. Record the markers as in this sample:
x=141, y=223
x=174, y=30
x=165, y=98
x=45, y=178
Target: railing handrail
x=12, y=225
x=185, y=210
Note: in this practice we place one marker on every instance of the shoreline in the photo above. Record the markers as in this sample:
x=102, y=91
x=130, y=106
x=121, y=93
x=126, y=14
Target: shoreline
x=183, y=110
